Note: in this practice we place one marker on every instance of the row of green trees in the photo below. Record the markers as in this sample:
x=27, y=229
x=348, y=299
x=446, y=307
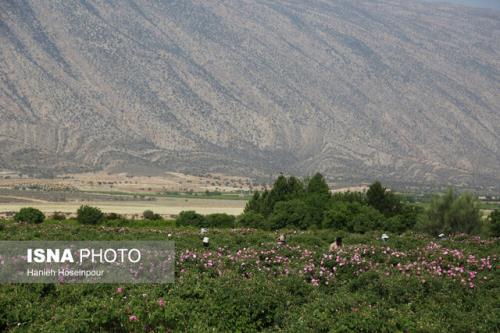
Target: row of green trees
x=294, y=203
x=304, y=204
x=85, y=215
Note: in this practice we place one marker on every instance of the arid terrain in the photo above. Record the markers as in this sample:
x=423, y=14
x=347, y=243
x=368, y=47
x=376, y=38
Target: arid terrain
x=166, y=194
x=398, y=90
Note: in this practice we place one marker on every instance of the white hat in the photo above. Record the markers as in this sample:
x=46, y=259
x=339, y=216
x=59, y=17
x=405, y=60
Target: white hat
x=205, y=239
x=384, y=236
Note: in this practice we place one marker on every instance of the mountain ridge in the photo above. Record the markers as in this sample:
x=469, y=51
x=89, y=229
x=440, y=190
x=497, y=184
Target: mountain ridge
x=398, y=90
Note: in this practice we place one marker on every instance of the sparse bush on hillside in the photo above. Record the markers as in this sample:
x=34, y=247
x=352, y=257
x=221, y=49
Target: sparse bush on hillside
x=150, y=215
x=190, y=218
x=89, y=215
x=29, y=215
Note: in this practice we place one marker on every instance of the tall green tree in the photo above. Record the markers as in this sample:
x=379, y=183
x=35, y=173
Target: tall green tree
x=317, y=198
x=254, y=204
x=383, y=200
x=317, y=184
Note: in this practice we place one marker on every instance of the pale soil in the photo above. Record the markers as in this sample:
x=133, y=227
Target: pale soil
x=70, y=187
x=165, y=206
x=169, y=181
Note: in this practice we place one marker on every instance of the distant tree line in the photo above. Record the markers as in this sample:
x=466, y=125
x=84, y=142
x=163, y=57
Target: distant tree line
x=303, y=204
x=309, y=203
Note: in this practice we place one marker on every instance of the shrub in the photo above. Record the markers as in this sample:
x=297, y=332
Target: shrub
x=338, y=216
x=190, y=218
x=452, y=214
x=112, y=217
x=293, y=213
x=251, y=220
x=2, y=226
x=395, y=224
x=353, y=217
x=89, y=215
x=150, y=215
x=406, y=220
x=58, y=216
x=494, y=220
x=366, y=219
x=220, y=220
x=29, y=215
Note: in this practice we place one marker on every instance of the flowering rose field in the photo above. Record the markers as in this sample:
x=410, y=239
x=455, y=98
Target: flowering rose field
x=245, y=281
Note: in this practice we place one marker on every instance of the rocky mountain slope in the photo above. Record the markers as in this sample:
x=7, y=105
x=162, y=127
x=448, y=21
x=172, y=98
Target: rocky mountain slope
x=391, y=89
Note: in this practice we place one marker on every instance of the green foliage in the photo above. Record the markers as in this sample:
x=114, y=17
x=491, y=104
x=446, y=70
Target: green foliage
x=494, y=223
x=317, y=184
x=268, y=287
x=383, y=200
x=190, y=218
x=220, y=220
x=29, y=215
x=449, y=213
x=316, y=198
x=251, y=219
x=58, y=216
x=89, y=215
x=150, y=215
x=338, y=216
x=283, y=189
x=293, y=213
x=290, y=203
x=112, y=217
x=350, y=197
x=137, y=224
x=353, y=217
x=255, y=203
x=405, y=220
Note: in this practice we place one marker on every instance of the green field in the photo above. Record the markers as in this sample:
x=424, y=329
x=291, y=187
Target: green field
x=247, y=282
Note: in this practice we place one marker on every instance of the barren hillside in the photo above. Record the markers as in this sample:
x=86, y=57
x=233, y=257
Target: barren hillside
x=391, y=89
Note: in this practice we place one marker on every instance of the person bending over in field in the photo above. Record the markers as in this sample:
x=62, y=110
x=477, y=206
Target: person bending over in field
x=336, y=245
x=282, y=239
